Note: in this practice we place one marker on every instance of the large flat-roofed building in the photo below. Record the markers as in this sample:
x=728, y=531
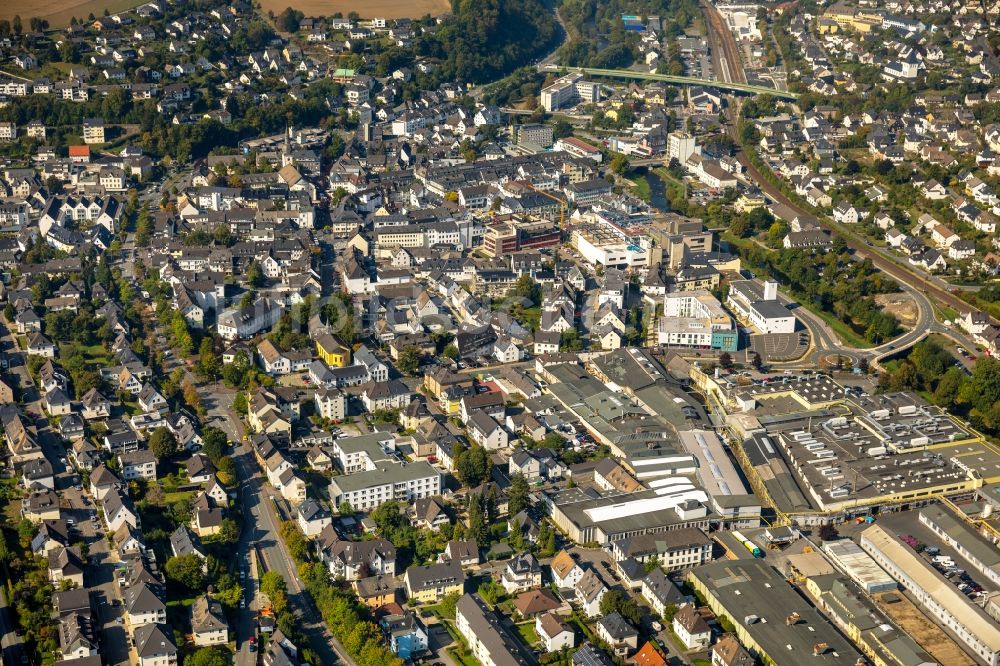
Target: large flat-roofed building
x=841, y=466
x=389, y=480
x=865, y=623
x=859, y=565
x=604, y=245
x=935, y=593
x=759, y=305
x=673, y=550
x=570, y=90
x=729, y=496
x=847, y=17
x=906, y=422
x=981, y=553
x=696, y=319
x=769, y=617
x=488, y=639
x=587, y=516
x=813, y=450
x=504, y=238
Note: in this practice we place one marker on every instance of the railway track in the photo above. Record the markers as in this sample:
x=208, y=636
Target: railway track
x=723, y=40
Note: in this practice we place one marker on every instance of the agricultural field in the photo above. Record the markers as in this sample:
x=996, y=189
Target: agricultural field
x=59, y=12
x=390, y=9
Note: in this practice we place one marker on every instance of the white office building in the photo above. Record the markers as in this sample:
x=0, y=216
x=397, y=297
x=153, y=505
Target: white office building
x=570, y=90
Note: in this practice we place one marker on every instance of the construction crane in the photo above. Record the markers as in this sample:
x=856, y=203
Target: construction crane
x=561, y=202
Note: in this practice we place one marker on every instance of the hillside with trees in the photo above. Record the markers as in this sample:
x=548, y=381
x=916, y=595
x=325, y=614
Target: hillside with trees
x=488, y=39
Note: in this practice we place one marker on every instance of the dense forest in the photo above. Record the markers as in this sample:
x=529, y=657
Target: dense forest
x=487, y=39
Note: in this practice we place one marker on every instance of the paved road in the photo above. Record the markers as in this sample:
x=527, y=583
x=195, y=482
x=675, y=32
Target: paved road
x=79, y=507
x=14, y=653
x=261, y=528
x=923, y=287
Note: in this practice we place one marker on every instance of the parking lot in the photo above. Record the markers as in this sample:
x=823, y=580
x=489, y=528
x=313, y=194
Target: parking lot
x=778, y=346
x=945, y=560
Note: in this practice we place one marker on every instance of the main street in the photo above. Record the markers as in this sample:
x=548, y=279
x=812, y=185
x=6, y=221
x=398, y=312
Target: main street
x=261, y=530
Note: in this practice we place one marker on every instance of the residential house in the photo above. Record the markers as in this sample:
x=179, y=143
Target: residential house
x=566, y=573
x=553, y=632
x=618, y=633
x=589, y=591
x=154, y=645
x=312, y=517
x=431, y=583
x=406, y=634
x=691, y=628
x=464, y=552
x=208, y=622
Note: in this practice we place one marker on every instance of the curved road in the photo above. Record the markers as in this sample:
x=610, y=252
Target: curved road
x=825, y=343
x=925, y=289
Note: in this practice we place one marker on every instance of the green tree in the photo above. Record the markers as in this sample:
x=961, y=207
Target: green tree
x=948, y=388
x=451, y=351
x=473, y=466
x=229, y=532
x=569, y=340
x=491, y=592
x=208, y=362
x=208, y=656
x=255, y=275
x=409, y=361
x=478, y=520
x=517, y=494
x=615, y=601
x=187, y=570
x=288, y=20
x=740, y=227
x=448, y=603
x=983, y=388
x=214, y=443
x=618, y=164
x=274, y=586
x=526, y=289
x=297, y=543
x=162, y=443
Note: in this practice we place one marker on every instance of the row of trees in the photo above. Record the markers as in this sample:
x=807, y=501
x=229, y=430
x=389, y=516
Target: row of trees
x=931, y=369
x=831, y=282
x=344, y=615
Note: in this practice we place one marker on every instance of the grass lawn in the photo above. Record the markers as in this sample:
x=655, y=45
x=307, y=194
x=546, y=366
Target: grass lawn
x=460, y=652
x=59, y=12
x=641, y=188
x=463, y=658
x=526, y=630
x=843, y=331
x=95, y=356
x=945, y=313
x=179, y=612
x=531, y=317
x=178, y=496
x=700, y=662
